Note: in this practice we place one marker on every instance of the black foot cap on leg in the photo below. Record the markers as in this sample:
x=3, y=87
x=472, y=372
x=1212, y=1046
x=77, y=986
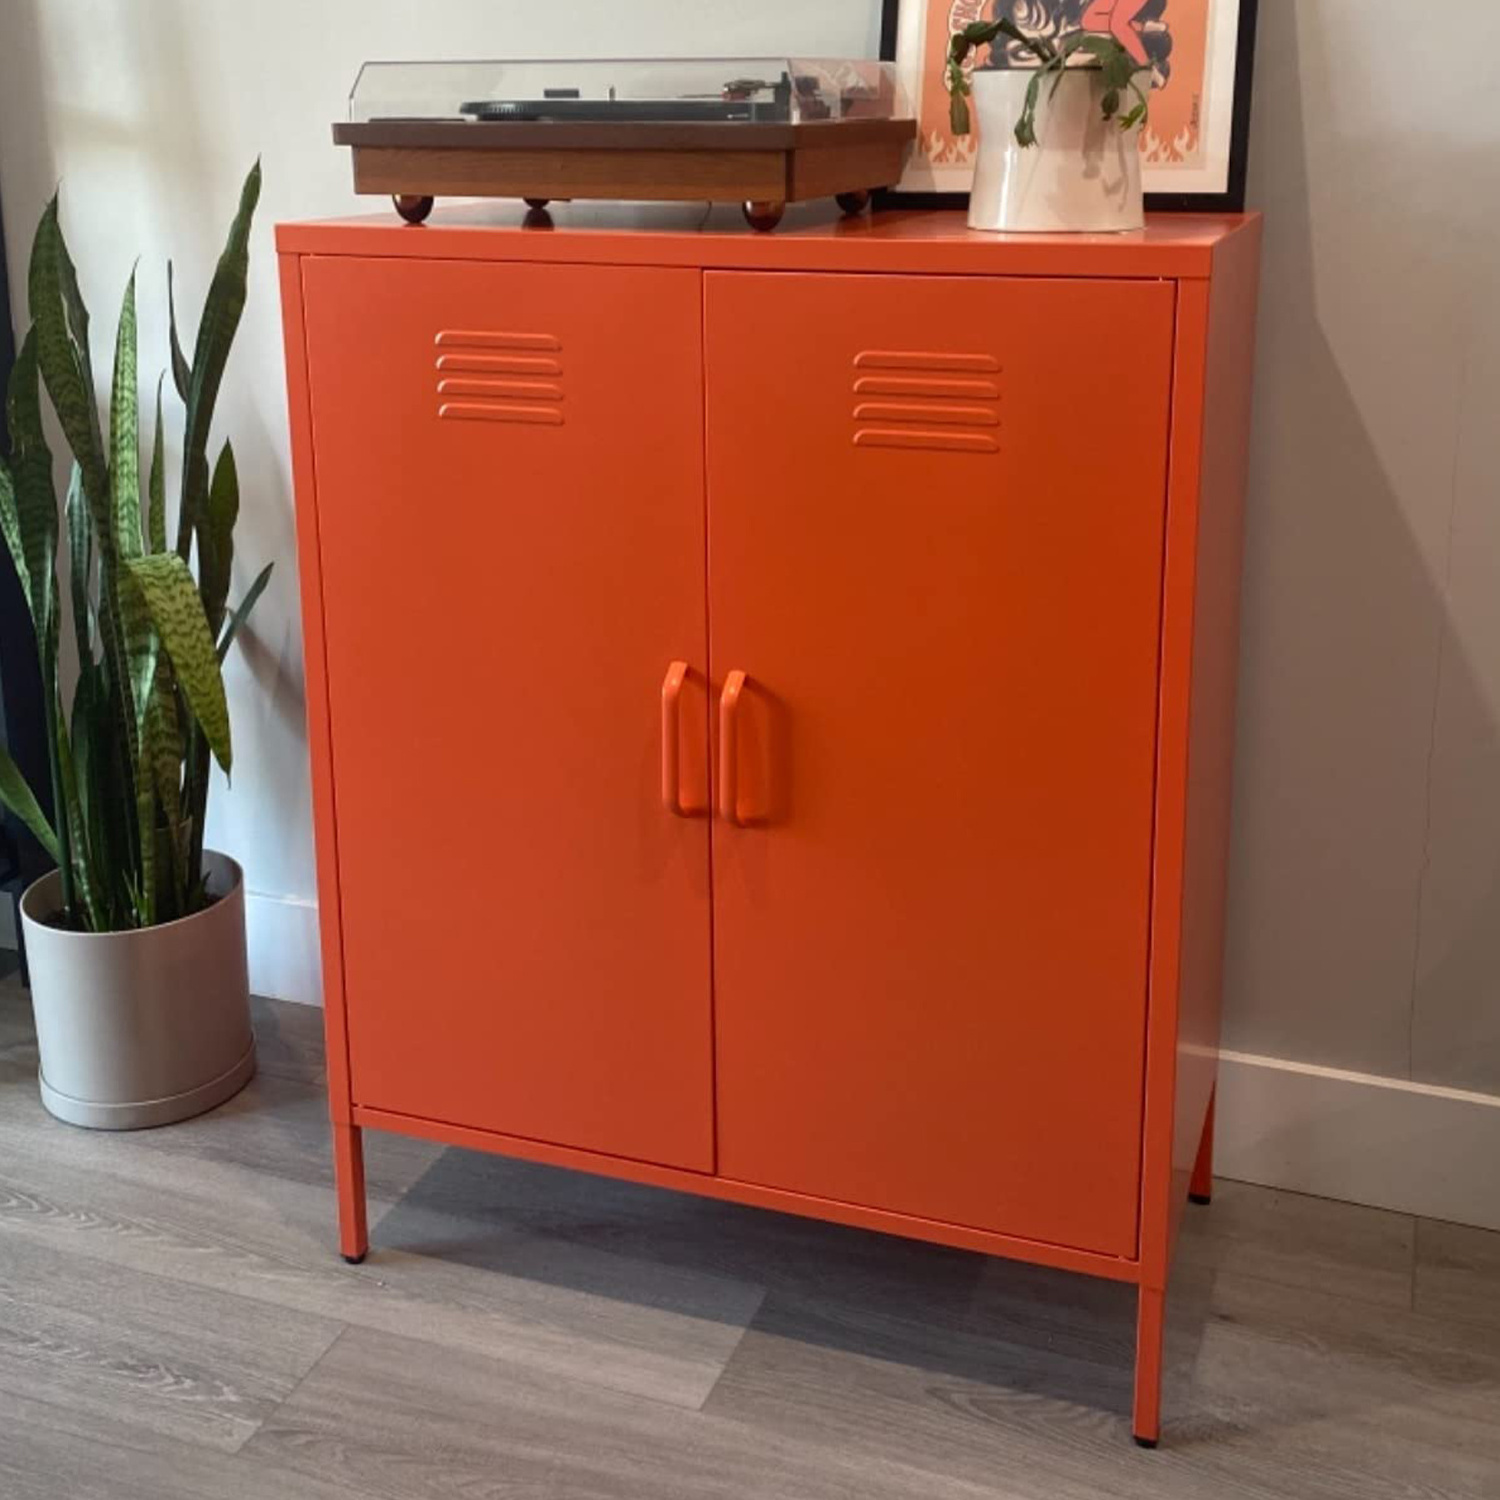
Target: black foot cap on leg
x=1141, y=1442
x=357, y=1260
x=1202, y=1199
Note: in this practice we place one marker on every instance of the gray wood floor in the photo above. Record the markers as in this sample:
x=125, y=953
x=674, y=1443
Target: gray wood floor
x=175, y=1322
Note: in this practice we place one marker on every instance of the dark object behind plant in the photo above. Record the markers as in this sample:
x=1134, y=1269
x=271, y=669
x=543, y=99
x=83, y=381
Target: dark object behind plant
x=22, y=859
x=1107, y=56
x=129, y=756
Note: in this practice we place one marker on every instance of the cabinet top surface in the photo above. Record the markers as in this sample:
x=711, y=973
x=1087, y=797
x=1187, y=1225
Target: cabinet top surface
x=813, y=237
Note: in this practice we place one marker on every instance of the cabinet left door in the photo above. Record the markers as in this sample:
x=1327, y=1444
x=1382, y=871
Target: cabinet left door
x=509, y=490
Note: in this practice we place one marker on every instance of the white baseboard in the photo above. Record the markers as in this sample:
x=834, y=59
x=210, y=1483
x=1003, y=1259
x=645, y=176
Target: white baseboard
x=1414, y=1147
x=284, y=956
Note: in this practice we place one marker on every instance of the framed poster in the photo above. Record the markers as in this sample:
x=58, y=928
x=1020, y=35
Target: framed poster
x=1200, y=53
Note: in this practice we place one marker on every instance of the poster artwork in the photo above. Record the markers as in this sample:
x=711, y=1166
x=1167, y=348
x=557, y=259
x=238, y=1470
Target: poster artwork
x=1175, y=38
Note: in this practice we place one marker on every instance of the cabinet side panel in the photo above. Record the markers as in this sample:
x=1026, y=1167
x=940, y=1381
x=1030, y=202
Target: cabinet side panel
x=315, y=684
x=1200, y=661
x=1216, y=651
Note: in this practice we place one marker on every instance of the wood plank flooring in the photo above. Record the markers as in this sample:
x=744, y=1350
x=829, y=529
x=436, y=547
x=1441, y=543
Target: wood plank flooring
x=175, y=1322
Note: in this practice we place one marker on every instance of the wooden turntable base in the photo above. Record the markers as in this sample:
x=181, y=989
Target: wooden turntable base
x=762, y=166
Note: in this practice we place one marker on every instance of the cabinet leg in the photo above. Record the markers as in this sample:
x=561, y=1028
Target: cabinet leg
x=1201, y=1187
x=349, y=1172
x=1150, y=1316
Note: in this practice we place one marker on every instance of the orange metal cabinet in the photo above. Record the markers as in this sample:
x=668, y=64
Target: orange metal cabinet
x=771, y=703
x=935, y=546
x=502, y=598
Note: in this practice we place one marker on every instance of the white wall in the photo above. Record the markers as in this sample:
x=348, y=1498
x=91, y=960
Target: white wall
x=149, y=112
x=1365, y=883
x=1365, y=929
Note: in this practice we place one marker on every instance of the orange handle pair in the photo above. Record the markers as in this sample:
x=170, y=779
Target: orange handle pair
x=671, y=745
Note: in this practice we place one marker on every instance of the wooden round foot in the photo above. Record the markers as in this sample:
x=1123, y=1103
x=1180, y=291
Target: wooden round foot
x=763, y=214
x=411, y=207
x=536, y=202
x=853, y=203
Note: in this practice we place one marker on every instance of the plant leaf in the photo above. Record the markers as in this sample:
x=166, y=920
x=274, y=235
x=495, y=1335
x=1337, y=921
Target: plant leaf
x=132, y=617
x=10, y=527
x=166, y=742
x=145, y=817
x=171, y=596
x=80, y=567
x=161, y=770
x=31, y=532
x=77, y=851
x=77, y=315
x=61, y=327
x=958, y=102
x=61, y=324
x=216, y=330
x=182, y=373
x=18, y=797
x=82, y=732
x=156, y=512
x=135, y=626
x=238, y=618
x=216, y=538
x=85, y=767
x=1026, y=124
x=124, y=435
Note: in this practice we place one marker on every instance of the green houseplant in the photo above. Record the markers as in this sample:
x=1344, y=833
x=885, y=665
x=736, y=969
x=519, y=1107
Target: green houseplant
x=129, y=747
x=1098, y=50
x=1059, y=141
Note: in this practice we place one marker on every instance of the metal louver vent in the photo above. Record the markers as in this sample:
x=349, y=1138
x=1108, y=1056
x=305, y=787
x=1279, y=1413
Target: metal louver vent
x=494, y=376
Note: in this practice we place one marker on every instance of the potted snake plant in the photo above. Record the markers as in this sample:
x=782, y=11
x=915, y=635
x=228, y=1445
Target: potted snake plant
x=136, y=941
x=1059, y=123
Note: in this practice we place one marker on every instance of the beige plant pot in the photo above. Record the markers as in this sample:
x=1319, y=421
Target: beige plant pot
x=146, y=1027
x=1083, y=174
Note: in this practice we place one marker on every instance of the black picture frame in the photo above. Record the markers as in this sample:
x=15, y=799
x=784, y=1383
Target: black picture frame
x=1231, y=200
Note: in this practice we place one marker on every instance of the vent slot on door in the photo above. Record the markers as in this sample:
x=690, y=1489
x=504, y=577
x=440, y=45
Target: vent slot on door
x=911, y=398
x=490, y=375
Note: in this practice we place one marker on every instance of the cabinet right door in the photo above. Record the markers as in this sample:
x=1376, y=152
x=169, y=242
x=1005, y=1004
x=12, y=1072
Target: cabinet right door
x=936, y=517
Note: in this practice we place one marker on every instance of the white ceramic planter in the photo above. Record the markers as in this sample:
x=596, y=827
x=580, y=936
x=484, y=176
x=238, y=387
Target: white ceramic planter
x=1084, y=173
x=142, y=1028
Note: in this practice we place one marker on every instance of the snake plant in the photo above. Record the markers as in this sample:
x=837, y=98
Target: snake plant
x=129, y=747
x=1104, y=53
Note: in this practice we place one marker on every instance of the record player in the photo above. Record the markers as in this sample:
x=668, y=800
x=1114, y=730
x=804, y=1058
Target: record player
x=764, y=132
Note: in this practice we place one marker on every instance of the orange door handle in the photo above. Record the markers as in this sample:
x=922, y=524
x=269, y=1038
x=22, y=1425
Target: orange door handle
x=671, y=742
x=729, y=761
